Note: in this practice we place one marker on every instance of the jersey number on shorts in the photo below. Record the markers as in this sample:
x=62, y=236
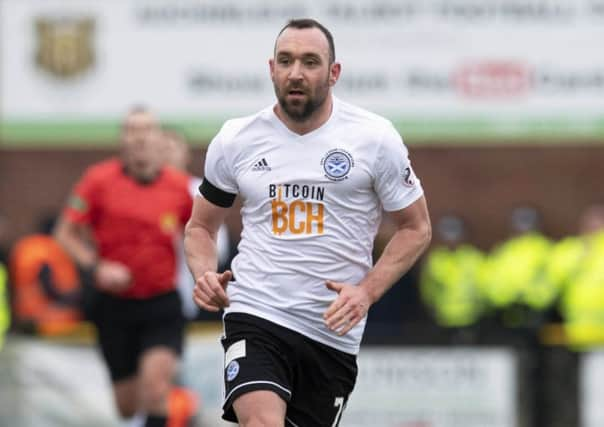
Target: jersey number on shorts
x=338, y=403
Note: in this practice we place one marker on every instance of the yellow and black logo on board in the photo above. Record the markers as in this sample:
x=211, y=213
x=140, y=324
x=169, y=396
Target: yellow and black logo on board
x=65, y=46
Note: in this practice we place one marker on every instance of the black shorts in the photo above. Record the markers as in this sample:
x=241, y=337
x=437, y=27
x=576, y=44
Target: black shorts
x=314, y=379
x=128, y=327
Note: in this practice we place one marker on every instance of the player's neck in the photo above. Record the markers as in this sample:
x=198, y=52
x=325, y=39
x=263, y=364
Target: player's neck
x=317, y=119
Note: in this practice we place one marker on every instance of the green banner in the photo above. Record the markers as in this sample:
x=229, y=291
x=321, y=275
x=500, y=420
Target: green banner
x=105, y=132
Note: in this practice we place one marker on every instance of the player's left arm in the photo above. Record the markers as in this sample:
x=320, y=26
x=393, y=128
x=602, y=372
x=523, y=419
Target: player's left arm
x=411, y=237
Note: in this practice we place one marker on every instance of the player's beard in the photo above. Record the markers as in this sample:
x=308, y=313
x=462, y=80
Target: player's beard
x=302, y=110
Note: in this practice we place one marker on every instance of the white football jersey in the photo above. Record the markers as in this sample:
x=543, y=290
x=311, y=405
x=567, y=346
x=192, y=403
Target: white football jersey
x=311, y=207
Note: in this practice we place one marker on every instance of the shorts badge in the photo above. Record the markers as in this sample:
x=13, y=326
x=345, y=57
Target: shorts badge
x=232, y=370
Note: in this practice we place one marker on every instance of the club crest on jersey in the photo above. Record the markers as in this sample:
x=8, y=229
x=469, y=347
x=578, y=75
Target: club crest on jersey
x=337, y=164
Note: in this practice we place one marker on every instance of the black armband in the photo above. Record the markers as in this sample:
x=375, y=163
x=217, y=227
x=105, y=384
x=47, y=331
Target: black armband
x=215, y=195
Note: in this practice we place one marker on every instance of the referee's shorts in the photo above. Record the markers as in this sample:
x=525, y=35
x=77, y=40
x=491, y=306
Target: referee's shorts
x=128, y=327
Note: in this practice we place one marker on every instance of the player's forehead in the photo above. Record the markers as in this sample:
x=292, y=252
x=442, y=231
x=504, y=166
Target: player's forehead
x=296, y=41
x=140, y=119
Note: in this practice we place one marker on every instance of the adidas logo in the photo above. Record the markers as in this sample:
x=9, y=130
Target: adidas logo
x=262, y=165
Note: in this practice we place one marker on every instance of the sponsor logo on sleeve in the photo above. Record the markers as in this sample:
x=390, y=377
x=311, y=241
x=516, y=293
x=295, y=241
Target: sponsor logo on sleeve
x=408, y=177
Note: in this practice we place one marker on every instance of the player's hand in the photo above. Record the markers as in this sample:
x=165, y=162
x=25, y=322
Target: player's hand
x=112, y=277
x=210, y=290
x=350, y=306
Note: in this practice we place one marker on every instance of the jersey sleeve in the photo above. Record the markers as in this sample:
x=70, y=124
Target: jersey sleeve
x=194, y=184
x=80, y=207
x=219, y=185
x=395, y=182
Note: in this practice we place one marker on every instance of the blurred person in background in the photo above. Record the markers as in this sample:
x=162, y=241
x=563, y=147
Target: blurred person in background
x=121, y=224
x=46, y=287
x=314, y=174
x=449, y=276
x=591, y=220
x=515, y=277
x=524, y=219
x=581, y=273
x=44, y=283
x=178, y=155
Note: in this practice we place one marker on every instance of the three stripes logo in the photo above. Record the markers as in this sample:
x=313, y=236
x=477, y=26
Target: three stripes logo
x=261, y=165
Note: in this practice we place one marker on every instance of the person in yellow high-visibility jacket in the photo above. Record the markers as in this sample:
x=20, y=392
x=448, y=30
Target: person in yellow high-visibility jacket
x=448, y=277
x=4, y=305
x=582, y=303
x=514, y=273
x=515, y=278
x=448, y=285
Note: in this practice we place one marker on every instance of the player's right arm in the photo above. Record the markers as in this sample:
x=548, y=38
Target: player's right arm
x=217, y=193
x=75, y=239
x=201, y=252
x=73, y=232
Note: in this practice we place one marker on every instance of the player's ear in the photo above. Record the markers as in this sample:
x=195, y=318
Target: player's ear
x=271, y=67
x=334, y=73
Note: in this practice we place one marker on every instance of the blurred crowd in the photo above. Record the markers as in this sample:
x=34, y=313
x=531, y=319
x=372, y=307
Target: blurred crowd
x=527, y=281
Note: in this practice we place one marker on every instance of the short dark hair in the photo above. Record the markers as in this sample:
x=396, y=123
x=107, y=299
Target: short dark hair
x=135, y=109
x=138, y=109
x=305, y=23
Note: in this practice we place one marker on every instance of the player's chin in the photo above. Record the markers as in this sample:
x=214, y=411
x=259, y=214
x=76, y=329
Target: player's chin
x=295, y=107
x=296, y=110
x=144, y=171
